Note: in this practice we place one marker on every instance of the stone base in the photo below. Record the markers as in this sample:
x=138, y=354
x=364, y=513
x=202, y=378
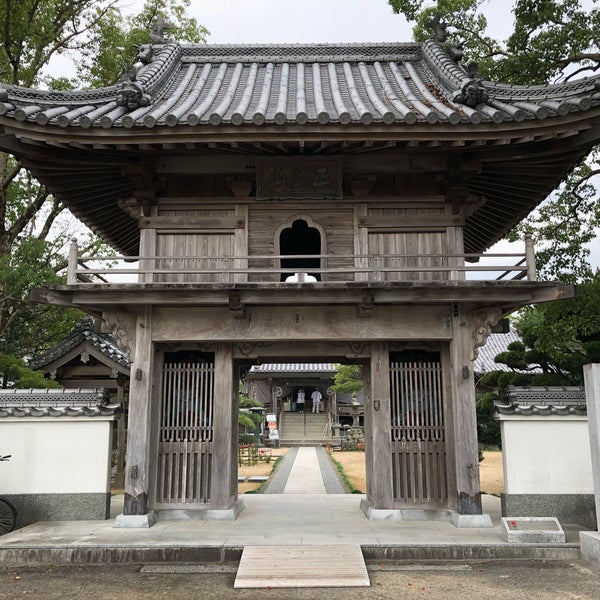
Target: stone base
x=202, y=514
x=60, y=507
x=569, y=509
x=135, y=521
x=473, y=521
x=589, y=543
x=415, y=514
x=532, y=530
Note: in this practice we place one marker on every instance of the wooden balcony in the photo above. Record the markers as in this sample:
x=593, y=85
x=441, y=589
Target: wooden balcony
x=320, y=270
x=332, y=289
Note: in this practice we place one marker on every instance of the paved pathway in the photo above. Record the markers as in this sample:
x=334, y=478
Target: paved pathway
x=306, y=470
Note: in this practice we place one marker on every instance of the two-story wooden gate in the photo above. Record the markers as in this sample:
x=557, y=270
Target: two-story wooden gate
x=185, y=434
x=418, y=430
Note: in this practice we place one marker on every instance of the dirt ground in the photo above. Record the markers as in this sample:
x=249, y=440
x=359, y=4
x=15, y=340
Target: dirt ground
x=353, y=462
x=484, y=580
x=260, y=468
x=491, y=473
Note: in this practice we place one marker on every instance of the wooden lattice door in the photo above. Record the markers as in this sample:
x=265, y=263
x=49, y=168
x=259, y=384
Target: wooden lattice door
x=185, y=434
x=418, y=433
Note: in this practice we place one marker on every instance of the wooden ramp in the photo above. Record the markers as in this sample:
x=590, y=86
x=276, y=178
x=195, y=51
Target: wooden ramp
x=302, y=566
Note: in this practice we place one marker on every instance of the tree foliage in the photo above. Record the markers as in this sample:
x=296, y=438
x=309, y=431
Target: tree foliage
x=551, y=41
x=348, y=379
x=248, y=419
x=15, y=374
x=34, y=228
x=114, y=41
x=557, y=339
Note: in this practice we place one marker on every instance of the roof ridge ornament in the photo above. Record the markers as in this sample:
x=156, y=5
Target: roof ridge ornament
x=471, y=90
x=132, y=94
x=158, y=28
x=440, y=35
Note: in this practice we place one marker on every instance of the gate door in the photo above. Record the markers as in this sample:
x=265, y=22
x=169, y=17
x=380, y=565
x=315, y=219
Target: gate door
x=185, y=433
x=418, y=433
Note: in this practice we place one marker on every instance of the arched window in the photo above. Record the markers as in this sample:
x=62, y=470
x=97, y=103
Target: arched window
x=302, y=239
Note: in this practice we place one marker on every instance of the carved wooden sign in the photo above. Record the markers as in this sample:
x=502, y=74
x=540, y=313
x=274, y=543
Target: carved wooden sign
x=294, y=178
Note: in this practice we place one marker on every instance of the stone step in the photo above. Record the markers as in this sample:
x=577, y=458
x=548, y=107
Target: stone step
x=299, y=429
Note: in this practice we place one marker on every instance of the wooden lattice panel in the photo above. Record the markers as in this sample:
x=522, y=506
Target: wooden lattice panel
x=419, y=455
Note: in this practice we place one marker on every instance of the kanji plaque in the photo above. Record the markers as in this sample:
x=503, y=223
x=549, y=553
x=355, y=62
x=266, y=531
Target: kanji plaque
x=299, y=178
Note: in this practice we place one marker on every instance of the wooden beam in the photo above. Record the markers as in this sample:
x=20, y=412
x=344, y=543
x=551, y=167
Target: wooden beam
x=300, y=323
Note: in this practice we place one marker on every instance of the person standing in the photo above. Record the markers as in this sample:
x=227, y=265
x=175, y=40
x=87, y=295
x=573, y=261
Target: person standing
x=316, y=398
x=300, y=400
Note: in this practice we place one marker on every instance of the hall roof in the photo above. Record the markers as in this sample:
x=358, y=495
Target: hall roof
x=385, y=83
x=83, y=336
x=375, y=105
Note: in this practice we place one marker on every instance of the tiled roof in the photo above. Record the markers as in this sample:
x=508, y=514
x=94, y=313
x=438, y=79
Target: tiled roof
x=494, y=345
x=83, y=332
x=201, y=85
x=76, y=402
x=294, y=369
x=484, y=363
x=542, y=401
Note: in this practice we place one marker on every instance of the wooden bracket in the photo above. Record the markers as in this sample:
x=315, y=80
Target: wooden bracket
x=367, y=303
x=241, y=187
x=235, y=304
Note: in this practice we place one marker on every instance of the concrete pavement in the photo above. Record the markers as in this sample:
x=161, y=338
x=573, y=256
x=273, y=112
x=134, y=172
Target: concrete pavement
x=300, y=514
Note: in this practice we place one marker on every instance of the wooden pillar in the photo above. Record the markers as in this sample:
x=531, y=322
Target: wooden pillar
x=466, y=449
x=137, y=474
x=224, y=461
x=121, y=427
x=148, y=247
x=378, y=446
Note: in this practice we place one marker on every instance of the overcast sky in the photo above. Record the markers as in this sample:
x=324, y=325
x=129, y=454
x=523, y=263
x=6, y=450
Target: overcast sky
x=306, y=21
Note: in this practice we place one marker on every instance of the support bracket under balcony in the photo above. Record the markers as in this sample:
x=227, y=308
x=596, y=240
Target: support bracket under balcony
x=235, y=304
x=367, y=303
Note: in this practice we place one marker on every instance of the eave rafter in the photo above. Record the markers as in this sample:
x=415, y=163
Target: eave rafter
x=308, y=140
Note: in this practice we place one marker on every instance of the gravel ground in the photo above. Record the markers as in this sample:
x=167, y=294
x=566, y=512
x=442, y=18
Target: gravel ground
x=498, y=580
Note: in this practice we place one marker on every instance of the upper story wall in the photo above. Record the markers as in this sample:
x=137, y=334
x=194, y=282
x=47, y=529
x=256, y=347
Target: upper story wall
x=199, y=221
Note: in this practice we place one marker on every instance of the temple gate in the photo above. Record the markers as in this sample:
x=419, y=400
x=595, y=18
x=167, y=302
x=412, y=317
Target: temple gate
x=374, y=175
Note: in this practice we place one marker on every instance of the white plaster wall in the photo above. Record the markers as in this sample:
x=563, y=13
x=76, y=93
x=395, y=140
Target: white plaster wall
x=546, y=455
x=55, y=455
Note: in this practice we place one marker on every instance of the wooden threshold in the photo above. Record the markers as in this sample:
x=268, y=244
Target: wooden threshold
x=302, y=567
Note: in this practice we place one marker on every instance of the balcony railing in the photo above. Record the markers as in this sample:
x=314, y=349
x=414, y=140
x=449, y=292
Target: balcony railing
x=267, y=268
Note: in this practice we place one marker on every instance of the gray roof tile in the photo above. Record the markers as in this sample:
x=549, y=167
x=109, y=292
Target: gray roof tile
x=494, y=345
x=205, y=85
x=293, y=369
x=76, y=402
x=82, y=332
x=542, y=401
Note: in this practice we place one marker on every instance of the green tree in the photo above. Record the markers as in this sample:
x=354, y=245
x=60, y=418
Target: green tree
x=551, y=41
x=557, y=339
x=34, y=230
x=114, y=41
x=248, y=420
x=348, y=379
x=15, y=374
